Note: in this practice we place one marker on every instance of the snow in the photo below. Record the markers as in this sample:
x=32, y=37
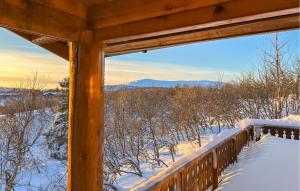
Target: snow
x=188, y=155
x=290, y=121
x=261, y=163
x=270, y=164
x=183, y=150
x=2, y=101
x=52, y=93
x=47, y=170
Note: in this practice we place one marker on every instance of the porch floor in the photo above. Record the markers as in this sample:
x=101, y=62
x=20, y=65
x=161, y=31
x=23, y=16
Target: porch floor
x=269, y=164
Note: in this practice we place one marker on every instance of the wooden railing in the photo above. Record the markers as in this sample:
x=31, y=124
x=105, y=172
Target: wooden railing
x=278, y=131
x=204, y=171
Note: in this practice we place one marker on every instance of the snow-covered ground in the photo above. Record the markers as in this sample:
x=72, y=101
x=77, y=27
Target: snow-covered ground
x=44, y=172
x=271, y=160
x=272, y=164
x=2, y=101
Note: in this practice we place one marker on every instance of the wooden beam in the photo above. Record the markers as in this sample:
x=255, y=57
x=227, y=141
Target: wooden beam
x=95, y=2
x=120, y=12
x=231, y=12
x=68, y=6
x=35, y=18
x=58, y=48
x=86, y=113
x=235, y=30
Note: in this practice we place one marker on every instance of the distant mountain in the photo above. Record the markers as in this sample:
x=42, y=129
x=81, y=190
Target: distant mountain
x=147, y=83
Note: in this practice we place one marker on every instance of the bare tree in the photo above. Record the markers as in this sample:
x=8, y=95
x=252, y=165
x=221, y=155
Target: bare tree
x=20, y=130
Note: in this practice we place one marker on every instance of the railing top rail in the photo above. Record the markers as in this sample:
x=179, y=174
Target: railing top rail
x=273, y=122
x=278, y=126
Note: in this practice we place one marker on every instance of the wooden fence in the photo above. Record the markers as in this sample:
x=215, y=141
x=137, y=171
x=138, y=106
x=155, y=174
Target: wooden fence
x=203, y=172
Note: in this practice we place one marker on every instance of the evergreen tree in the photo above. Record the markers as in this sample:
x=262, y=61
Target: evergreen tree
x=57, y=136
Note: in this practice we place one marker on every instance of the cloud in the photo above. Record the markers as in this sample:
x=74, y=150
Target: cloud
x=16, y=66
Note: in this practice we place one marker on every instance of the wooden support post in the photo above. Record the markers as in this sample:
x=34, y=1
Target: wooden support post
x=179, y=181
x=215, y=177
x=252, y=133
x=248, y=135
x=235, y=152
x=86, y=111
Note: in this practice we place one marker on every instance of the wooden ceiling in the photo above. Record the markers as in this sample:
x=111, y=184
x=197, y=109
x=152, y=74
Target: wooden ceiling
x=138, y=25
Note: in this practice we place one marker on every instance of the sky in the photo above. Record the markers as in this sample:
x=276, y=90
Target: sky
x=209, y=60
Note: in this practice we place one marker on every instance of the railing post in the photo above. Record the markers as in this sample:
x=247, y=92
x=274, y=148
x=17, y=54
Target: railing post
x=248, y=136
x=252, y=133
x=235, y=149
x=179, y=181
x=215, y=170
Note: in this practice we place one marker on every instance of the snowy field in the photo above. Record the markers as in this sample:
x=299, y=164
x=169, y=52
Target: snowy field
x=272, y=164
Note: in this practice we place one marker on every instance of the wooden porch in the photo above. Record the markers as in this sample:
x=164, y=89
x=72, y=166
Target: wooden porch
x=86, y=31
x=204, y=171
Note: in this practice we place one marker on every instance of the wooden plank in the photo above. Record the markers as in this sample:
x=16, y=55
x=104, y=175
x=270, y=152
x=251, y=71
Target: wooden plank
x=58, y=48
x=38, y=19
x=231, y=12
x=86, y=112
x=68, y=6
x=94, y=2
x=235, y=30
x=120, y=12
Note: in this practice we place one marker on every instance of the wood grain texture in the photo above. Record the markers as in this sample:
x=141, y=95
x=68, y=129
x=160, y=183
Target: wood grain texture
x=86, y=111
x=229, y=31
x=36, y=18
x=58, y=48
x=231, y=12
x=120, y=12
x=69, y=6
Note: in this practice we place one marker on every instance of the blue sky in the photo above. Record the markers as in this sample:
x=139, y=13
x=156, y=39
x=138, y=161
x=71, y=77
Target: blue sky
x=198, y=61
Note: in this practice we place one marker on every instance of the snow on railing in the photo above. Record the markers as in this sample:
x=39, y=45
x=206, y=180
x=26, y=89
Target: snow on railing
x=288, y=128
x=277, y=131
x=292, y=121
